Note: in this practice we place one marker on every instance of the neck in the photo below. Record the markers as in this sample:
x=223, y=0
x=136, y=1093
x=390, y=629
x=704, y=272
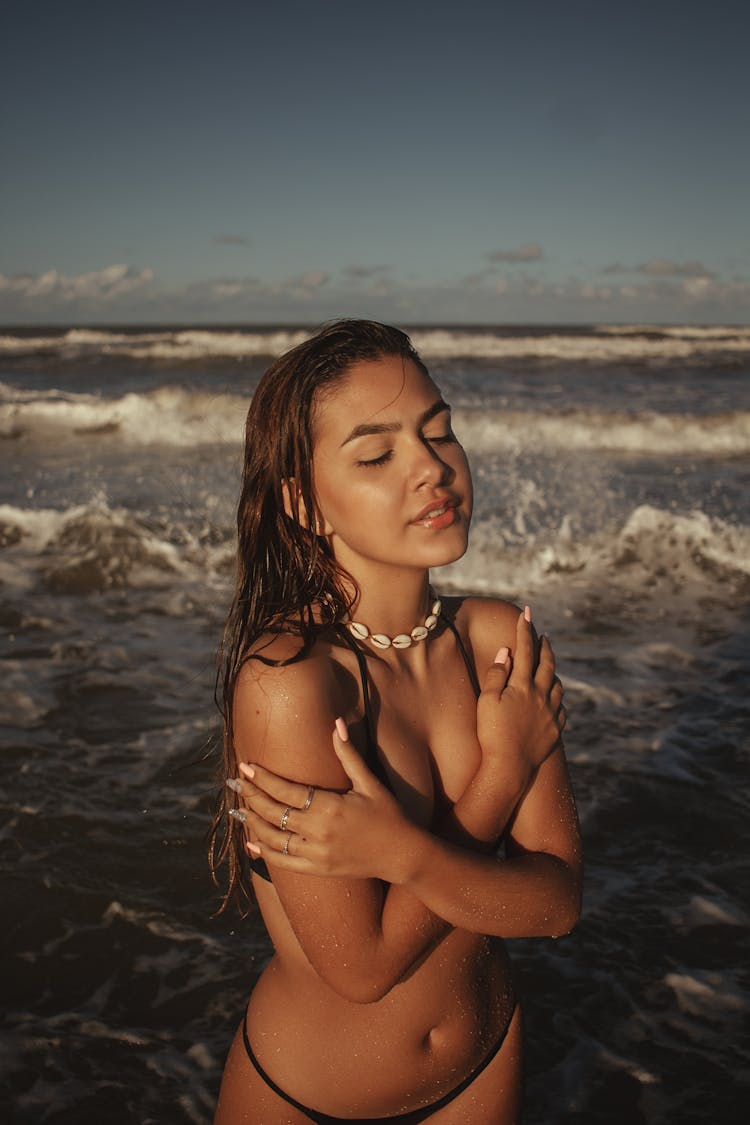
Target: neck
x=391, y=629
x=395, y=606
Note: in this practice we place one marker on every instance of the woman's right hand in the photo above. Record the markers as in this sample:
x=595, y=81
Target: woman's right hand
x=520, y=713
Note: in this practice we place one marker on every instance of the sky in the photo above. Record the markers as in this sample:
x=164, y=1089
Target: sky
x=232, y=162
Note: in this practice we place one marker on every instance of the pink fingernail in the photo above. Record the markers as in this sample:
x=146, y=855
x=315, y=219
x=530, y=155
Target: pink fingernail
x=527, y=613
x=247, y=770
x=502, y=655
x=342, y=730
x=253, y=849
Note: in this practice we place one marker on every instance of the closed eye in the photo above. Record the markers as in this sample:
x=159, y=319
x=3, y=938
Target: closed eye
x=441, y=439
x=375, y=461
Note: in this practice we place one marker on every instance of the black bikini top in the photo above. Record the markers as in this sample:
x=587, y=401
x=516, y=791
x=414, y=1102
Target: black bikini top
x=372, y=757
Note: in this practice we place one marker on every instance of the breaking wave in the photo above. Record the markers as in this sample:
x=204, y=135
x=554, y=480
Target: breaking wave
x=172, y=416
x=632, y=344
x=94, y=548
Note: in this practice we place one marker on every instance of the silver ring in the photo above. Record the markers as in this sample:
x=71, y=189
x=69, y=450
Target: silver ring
x=285, y=817
x=285, y=849
x=310, y=795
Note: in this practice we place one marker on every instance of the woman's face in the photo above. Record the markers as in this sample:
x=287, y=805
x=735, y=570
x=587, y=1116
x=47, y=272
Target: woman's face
x=392, y=482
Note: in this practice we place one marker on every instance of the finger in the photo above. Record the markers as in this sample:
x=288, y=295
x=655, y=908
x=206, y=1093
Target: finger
x=288, y=850
x=271, y=838
x=352, y=761
x=289, y=862
x=310, y=822
x=523, y=662
x=279, y=788
x=498, y=672
x=238, y=785
x=545, y=672
x=556, y=693
x=273, y=812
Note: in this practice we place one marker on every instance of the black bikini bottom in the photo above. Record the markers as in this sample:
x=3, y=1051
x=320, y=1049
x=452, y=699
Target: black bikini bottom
x=411, y=1118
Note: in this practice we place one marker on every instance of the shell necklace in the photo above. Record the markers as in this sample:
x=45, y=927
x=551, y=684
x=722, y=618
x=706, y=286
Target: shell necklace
x=402, y=640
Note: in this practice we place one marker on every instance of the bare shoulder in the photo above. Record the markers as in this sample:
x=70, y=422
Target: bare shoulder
x=279, y=668
x=285, y=705
x=487, y=624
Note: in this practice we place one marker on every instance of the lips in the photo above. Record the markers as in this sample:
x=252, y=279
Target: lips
x=438, y=513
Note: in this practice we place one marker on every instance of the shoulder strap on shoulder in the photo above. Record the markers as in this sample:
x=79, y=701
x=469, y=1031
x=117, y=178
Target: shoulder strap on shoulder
x=372, y=739
x=467, y=660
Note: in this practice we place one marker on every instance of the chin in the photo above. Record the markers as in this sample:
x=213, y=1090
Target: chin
x=447, y=553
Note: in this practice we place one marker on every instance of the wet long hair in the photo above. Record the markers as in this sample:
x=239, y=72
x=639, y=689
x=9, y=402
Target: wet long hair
x=287, y=579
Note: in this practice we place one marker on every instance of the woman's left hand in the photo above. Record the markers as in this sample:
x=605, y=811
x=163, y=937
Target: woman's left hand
x=359, y=834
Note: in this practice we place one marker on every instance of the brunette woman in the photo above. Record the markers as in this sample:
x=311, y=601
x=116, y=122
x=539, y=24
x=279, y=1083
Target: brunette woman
x=396, y=782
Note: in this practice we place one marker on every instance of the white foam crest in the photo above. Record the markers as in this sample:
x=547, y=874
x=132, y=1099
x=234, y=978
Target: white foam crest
x=88, y=548
x=176, y=417
x=681, y=332
x=598, y=431
x=36, y=526
x=655, y=553
x=168, y=416
x=18, y=345
x=702, y=911
x=197, y=344
x=187, y=344
x=627, y=346
x=156, y=924
x=654, y=550
x=605, y=344
x=93, y=337
x=710, y=994
x=78, y=341
x=597, y=694
x=690, y=543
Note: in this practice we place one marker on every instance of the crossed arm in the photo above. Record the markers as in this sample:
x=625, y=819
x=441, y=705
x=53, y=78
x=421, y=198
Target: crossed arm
x=367, y=892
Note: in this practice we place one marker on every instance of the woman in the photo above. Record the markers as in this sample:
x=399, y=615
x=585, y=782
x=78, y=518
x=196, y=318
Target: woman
x=371, y=777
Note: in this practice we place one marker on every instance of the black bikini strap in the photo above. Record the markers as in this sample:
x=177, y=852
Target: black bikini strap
x=462, y=649
x=372, y=742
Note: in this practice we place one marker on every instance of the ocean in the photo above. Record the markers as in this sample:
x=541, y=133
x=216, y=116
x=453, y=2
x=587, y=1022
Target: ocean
x=612, y=472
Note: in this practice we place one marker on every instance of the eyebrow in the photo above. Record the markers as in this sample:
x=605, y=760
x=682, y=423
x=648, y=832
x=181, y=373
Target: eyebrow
x=367, y=428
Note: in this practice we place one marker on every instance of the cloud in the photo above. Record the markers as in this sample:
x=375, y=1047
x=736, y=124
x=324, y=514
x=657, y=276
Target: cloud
x=698, y=288
x=243, y=295
x=227, y=290
x=104, y=285
x=121, y=294
x=305, y=285
x=660, y=267
x=596, y=292
x=231, y=240
x=529, y=252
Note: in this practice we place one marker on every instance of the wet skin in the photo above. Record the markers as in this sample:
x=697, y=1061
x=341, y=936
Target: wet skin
x=372, y=1003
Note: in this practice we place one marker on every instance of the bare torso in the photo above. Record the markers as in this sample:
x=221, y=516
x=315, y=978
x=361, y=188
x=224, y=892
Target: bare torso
x=438, y=1023
x=411, y=1047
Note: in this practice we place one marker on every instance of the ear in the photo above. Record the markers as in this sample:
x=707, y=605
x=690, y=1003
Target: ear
x=295, y=508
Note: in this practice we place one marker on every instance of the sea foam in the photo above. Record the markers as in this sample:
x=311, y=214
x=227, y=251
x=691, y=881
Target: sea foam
x=632, y=344
x=172, y=416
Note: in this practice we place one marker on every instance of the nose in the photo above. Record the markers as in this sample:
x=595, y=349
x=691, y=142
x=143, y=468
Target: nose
x=429, y=468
